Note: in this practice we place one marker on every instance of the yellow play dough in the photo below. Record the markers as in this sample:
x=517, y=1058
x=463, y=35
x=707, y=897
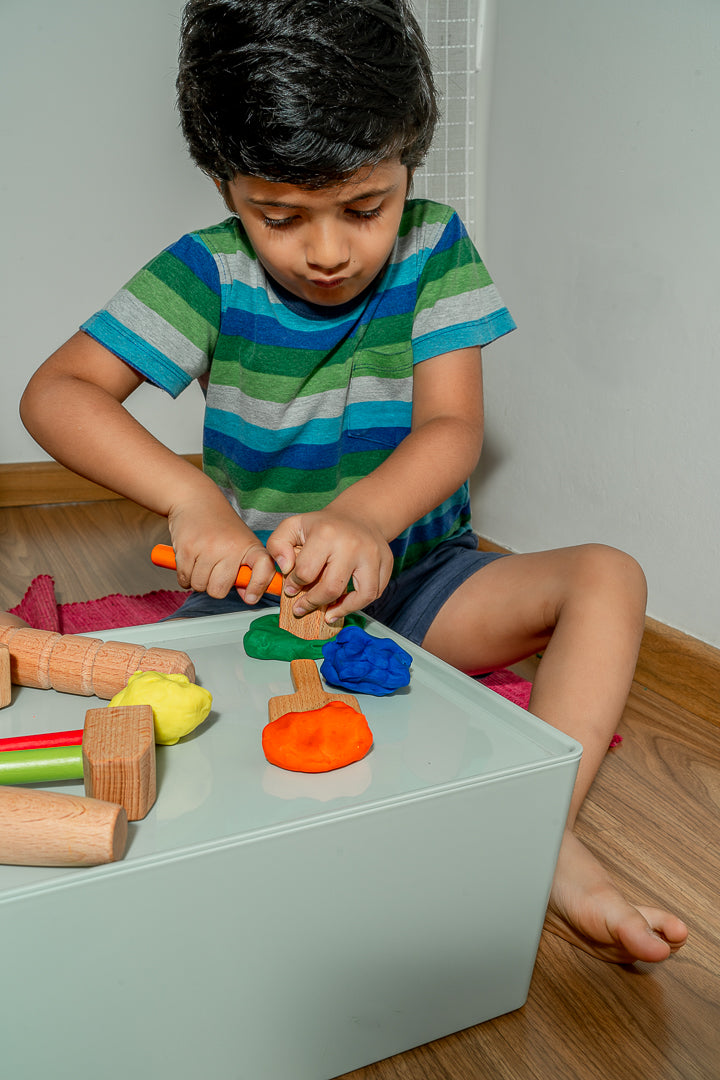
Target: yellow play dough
x=178, y=705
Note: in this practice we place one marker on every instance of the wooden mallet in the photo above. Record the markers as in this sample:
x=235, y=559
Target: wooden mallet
x=116, y=759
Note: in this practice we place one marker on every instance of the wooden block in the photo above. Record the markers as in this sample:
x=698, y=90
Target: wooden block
x=45, y=828
x=5, y=680
x=310, y=627
x=71, y=664
x=30, y=652
x=167, y=661
x=114, y=663
x=119, y=757
x=309, y=692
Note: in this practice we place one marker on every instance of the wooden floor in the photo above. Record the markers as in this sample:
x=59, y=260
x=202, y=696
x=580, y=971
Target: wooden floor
x=652, y=816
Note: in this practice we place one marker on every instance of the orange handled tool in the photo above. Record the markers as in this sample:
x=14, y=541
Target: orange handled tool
x=163, y=555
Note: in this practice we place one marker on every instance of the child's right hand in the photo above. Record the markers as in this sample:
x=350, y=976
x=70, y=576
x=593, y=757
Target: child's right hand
x=211, y=542
x=326, y=550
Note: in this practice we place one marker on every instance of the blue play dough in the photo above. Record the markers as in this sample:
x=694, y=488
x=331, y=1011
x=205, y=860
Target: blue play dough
x=355, y=660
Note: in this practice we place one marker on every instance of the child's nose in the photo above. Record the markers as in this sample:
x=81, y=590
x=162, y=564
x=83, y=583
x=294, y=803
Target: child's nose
x=327, y=248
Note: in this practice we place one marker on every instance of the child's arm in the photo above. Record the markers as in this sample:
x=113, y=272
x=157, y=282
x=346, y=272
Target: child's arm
x=73, y=408
x=349, y=540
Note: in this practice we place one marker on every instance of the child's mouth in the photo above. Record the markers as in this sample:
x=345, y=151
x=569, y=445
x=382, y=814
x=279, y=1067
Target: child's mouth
x=327, y=283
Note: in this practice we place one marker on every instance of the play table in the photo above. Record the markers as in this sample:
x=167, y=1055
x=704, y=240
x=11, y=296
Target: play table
x=267, y=925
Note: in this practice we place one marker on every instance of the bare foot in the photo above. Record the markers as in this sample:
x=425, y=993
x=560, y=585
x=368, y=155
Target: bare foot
x=587, y=909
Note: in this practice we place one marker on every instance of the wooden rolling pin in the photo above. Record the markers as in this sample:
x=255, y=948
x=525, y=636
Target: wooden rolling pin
x=74, y=664
x=45, y=828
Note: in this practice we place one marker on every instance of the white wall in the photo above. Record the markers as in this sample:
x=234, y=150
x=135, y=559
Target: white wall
x=601, y=228
x=95, y=180
x=603, y=232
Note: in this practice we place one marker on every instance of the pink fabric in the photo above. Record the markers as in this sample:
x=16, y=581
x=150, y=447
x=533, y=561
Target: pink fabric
x=509, y=685
x=40, y=609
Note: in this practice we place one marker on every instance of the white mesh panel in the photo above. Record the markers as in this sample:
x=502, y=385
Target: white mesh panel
x=450, y=28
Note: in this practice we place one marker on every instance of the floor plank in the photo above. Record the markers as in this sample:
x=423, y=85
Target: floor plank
x=653, y=816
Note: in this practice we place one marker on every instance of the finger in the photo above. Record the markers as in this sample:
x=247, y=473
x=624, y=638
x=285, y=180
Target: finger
x=263, y=572
x=221, y=578
x=328, y=589
x=312, y=572
x=368, y=585
x=284, y=541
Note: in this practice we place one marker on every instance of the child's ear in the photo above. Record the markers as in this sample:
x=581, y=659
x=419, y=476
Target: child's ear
x=222, y=187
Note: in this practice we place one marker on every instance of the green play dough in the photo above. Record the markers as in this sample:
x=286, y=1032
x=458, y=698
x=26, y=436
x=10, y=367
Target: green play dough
x=266, y=641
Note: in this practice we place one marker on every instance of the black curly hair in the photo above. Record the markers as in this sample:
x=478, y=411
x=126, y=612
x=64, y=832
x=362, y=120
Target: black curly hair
x=303, y=91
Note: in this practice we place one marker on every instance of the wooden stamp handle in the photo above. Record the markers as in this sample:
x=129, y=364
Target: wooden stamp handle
x=305, y=676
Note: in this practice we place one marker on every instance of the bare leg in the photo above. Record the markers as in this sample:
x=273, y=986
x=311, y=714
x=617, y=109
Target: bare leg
x=584, y=608
x=6, y=619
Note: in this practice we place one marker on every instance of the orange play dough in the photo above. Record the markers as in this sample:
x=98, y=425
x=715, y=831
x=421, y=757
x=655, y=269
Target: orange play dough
x=317, y=740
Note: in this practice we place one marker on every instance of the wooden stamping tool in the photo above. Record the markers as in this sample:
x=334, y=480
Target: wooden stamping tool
x=310, y=627
x=309, y=693
x=118, y=752
x=45, y=828
x=313, y=731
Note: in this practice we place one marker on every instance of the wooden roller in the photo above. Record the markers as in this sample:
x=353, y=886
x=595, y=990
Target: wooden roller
x=74, y=664
x=45, y=828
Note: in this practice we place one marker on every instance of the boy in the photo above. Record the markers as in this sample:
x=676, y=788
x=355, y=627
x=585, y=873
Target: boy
x=336, y=328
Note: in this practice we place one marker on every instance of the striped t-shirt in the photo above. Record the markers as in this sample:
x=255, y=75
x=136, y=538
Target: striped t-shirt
x=302, y=400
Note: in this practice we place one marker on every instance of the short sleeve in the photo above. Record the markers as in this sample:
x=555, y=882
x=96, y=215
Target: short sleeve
x=458, y=304
x=165, y=322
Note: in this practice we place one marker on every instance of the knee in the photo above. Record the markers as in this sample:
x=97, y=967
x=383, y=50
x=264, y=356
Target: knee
x=609, y=569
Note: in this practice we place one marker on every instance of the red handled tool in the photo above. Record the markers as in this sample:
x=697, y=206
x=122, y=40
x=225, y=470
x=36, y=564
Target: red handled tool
x=163, y=555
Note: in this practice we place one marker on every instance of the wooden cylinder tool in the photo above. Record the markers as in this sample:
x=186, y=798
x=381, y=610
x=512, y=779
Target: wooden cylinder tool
x=45, y=828
x=74, y=664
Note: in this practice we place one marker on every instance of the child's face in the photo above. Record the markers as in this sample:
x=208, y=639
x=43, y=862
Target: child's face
x=324, y=246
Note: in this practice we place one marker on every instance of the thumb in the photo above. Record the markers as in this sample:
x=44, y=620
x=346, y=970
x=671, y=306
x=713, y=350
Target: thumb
x=282, y=544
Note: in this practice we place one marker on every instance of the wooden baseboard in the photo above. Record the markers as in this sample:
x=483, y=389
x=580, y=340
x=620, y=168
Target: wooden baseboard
x=42, y=483
x=680, y=668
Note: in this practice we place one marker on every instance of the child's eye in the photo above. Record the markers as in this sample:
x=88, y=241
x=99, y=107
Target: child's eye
x=365, y=215
x=277, y=223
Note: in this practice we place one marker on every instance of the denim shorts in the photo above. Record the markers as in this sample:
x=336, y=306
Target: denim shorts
x=409, y=603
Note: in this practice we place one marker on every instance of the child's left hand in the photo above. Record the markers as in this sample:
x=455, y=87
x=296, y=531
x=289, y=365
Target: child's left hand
x=327, y=550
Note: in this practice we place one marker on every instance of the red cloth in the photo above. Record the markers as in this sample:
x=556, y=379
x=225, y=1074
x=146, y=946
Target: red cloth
x=40, y=609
